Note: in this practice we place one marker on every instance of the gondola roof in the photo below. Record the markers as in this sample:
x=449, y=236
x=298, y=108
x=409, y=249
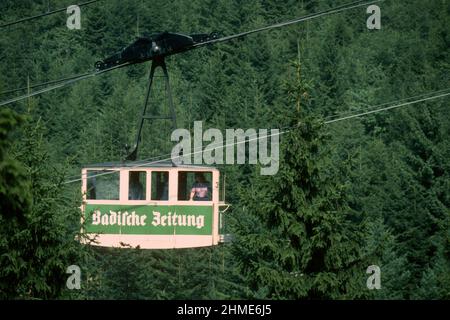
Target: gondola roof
x=145, y=164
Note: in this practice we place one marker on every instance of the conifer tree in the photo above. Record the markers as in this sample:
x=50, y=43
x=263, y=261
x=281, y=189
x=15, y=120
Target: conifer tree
x=37, y=235
x=300, y=239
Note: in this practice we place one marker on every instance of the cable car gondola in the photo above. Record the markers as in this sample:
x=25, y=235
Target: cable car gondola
x=153, y=206
x=150, y=206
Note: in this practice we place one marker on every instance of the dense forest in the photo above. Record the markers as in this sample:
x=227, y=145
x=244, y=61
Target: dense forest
x=371, y=190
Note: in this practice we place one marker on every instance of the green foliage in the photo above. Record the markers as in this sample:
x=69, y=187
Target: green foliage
x=37, y=243
x=306, y=242
x=14, y=186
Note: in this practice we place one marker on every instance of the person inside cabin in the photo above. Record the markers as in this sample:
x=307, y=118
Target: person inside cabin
x=136, y=191
x=201, y=189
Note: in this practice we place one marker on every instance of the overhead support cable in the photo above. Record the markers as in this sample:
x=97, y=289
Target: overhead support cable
x=61, y=84
x=334, y=10
x=146, y=162
x=43, y=15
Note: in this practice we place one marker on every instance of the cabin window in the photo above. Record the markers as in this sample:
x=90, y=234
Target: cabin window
x=103, y=185
x=136, y=185
x=195, y=186
x=160, y=185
